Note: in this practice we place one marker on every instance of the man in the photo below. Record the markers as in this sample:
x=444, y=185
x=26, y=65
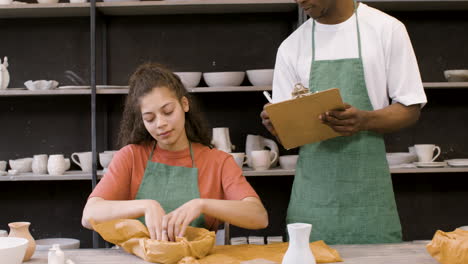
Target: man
x=343, y=186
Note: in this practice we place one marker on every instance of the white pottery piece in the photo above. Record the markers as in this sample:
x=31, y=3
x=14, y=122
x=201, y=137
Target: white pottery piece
x=223, y=79
x=260, y=77
x=12, y=249
x=288, y=162
x=240, y=158
x=398, y=158
x=4, y=74
x=67, y=164
x=263, y=159
x=41, y=85
x=456, y=75
x=189, y=79
x=221, y=139
x=85, y=160
x=298, y=250
x=39, y=164
x=6, y=2
x=22, y=165
x=56, y=164
x=105, y=159
x=255, y=142
x=3, y=165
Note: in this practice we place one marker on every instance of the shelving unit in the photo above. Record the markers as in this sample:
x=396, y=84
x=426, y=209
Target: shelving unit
x=44, y=10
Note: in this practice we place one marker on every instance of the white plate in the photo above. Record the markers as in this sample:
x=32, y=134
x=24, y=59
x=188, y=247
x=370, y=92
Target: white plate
x=73, y=87
x=430, y=164
x=457, y=162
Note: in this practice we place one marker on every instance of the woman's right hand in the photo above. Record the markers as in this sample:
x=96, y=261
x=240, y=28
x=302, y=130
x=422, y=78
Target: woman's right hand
x=154, y=214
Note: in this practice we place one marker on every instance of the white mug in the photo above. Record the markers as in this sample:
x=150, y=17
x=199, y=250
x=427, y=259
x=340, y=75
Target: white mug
x=263, y=159
x=56, y=164
x=3, y=233
x=425, y=152
x=85, y=160
x=39, y=164
x=105, y=159
x=3, y=165
x=240, y=158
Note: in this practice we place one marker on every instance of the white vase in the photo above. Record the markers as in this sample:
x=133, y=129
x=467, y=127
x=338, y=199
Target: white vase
x=299, y=251
x=221, y=139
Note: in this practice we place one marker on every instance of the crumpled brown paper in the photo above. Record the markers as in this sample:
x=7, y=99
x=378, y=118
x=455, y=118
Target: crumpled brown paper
x=134, y=238
x=194, y=248
x=449, y=247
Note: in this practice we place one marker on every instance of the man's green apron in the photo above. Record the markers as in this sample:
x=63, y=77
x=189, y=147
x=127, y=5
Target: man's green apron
x=343, y=186
x=171, y=186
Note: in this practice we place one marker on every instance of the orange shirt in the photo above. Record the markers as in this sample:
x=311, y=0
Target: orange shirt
x=219, y=177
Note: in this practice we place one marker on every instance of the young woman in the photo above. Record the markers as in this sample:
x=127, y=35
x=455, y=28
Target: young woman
x=167, y=173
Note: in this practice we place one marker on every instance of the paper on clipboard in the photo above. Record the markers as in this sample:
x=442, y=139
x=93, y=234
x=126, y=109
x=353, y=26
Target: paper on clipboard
x=296, y=120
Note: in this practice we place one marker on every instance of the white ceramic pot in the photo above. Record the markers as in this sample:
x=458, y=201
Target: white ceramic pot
x=6, y=2
x=56, y=164
x=221, y=139
x=41, y=85
x=39, y=164
x=456, y=75
x=288, y=162
x=189, y=79
x=298, y=250
x=4, y=74
x=105, y=159
x=260, y=77
x=84, y=160
x=223, y=79
x=398, y=158
x=12, y=249
x=22, y=165
x=3, y=165
x=255, y=142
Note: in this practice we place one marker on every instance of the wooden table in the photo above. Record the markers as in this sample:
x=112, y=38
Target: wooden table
x=403, y=253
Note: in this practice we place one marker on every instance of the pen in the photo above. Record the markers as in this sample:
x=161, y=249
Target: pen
x=268, y=97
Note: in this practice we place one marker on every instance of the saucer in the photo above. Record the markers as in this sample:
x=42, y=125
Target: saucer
x=458, y=162
x=430, y=164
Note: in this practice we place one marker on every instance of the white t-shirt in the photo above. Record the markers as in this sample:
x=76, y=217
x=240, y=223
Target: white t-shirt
x=390, y=66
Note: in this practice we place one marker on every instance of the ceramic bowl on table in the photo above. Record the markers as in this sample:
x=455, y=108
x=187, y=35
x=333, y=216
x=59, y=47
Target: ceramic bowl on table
x=21, y=165
x=223, y=79
x=41, y=85
x=189, y=79
x=288, y=162
x=398, y=158
x=456, y=75
x=262, y=77
x=65, y=243
x=12, y=249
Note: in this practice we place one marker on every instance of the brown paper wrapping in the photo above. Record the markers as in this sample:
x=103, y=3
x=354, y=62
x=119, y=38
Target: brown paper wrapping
x=197, y=246
x=449, y=247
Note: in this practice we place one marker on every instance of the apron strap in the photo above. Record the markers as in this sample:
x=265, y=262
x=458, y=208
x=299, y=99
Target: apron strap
x=358, y=34
x=191, y=153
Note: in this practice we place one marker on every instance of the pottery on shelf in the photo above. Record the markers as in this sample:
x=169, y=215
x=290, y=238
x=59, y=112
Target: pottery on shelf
x=456, y=75
x=223, y=79
x=263, y=77
x=21, y=229
x=189, y=79
x=4, y=74
x=21, y=165
x=255, y=142
x=221, y=139
x=41, y=85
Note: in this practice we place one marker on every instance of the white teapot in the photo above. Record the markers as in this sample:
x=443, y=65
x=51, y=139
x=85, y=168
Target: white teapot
x=4, y=74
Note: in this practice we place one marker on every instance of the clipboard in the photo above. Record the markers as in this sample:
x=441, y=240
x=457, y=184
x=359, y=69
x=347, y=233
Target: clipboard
x=296, y=120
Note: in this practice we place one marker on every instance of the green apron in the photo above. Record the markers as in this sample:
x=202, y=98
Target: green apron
x=171, y=186
x=343, y=186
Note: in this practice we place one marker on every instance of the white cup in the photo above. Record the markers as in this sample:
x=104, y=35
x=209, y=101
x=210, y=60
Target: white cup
x=105, y=159
x=85, y=160
x=263, y=159
x=240, y=158
x=56, y=164
x=412, y=150
x=3, y=165
x=39, y=164
x=6, y=2
x=67, y=164
x=425, y=152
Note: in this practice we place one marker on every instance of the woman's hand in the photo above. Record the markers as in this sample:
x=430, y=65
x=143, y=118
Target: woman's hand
x=154, y=214
x=175, y=223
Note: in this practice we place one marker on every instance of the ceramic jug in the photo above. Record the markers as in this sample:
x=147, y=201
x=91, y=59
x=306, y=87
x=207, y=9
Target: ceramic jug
x=4, y=74
x=299, y=250
x=255, y=142
x=21, y=229
x=221, y=139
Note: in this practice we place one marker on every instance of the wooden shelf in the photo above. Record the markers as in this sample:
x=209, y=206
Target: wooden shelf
x=15, y=92
x=67, y=176
x=170, y=7
x=445, y=85
x=418, y=5
x=124, y=89
x=44, y=10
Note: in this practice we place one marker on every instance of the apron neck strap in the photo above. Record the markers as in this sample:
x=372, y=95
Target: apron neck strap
x=191, y=153
x=358, y=34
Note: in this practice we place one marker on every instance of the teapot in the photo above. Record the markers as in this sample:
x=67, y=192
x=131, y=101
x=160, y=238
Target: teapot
x=255, y=142
x=4, y=74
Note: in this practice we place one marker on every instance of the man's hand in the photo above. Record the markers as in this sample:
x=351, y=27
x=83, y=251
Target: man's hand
x=347, y=122
x=267, y=122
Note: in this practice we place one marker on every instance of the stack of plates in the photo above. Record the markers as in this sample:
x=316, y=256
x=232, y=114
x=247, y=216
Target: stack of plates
x=274, y=239
x=256, y=240
x=238, y=240
x=458, y=162
x=433, y=164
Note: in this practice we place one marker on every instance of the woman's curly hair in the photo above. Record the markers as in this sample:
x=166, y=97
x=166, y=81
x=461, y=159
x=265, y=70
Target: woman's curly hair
x=151, y=76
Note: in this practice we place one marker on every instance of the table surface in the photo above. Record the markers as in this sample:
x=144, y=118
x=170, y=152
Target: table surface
x=402, y=253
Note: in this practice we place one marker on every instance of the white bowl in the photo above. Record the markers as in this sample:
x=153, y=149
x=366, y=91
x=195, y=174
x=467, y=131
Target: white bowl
x=456, y=75
x=22, y=165
x=12, y=249
x=41, y=84
x=260, y=77
x=65, y=243
x=189, y=79
x=288, y=162
x=105, y=159
x=223, y=79
x=398, y=158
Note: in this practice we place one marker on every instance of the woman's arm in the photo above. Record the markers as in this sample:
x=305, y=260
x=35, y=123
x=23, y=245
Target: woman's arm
x=101, y=210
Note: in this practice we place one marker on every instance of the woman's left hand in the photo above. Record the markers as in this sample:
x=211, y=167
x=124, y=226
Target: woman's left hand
x=347, y=122
x=175, y=223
